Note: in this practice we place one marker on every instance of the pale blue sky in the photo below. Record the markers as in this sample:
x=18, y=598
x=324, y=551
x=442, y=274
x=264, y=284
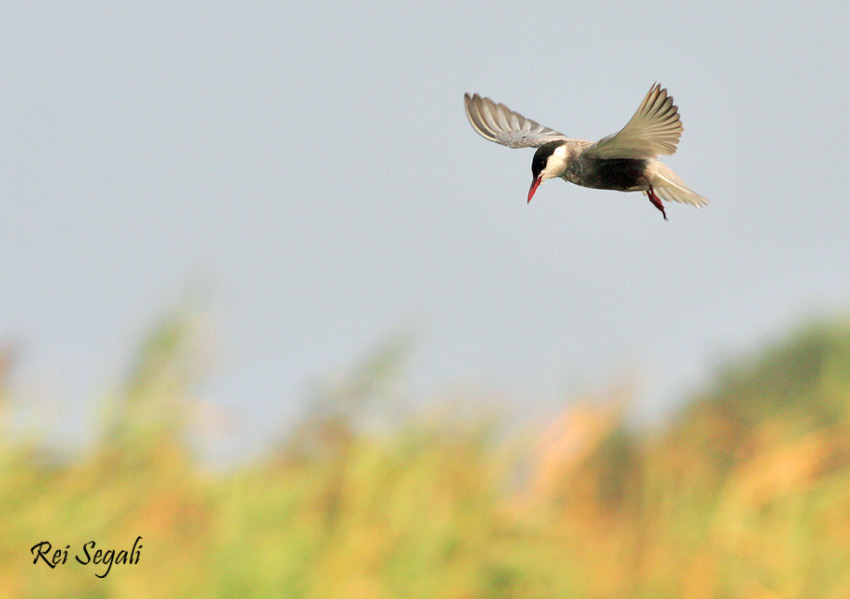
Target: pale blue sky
x=313, y=161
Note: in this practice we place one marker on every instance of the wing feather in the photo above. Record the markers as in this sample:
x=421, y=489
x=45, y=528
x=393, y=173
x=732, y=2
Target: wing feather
x=654, y=129
x=498, y=123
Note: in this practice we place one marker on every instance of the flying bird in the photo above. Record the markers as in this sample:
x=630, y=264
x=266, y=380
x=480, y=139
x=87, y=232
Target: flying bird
x=625, y=161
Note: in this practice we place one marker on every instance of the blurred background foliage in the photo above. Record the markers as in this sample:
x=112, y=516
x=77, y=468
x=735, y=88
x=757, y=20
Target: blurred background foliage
x=745, y=492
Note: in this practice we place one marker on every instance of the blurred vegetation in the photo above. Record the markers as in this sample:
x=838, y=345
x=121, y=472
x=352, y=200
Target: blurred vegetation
x=745, y=493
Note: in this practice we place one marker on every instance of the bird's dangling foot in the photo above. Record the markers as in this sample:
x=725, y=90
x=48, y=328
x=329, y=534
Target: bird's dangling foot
x=656, y=201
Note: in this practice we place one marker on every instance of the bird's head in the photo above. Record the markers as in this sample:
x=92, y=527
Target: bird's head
x=550, y=160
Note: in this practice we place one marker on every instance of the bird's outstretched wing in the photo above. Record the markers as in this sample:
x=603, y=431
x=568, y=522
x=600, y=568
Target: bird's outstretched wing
x=653, y=130
x=498, y=123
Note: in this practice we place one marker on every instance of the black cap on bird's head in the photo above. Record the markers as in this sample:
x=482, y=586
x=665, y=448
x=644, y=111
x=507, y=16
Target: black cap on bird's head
x=539, y=164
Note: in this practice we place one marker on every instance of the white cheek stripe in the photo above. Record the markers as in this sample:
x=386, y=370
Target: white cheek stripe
x=555, y=163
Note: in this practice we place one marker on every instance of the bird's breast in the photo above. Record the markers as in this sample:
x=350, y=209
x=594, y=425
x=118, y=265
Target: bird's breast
x=619, y=174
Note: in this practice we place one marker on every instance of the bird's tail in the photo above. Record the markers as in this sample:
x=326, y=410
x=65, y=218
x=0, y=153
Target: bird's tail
x=670, y=188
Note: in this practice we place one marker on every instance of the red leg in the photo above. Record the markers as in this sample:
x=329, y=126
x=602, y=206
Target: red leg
x=656, y=201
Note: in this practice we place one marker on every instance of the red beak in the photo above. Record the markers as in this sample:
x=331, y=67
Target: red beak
x=534, y=185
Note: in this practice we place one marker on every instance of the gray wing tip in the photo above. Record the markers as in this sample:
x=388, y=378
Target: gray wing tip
x=476, y=118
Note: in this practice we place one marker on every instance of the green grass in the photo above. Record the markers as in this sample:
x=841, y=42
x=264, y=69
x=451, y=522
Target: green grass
x=746, y=493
